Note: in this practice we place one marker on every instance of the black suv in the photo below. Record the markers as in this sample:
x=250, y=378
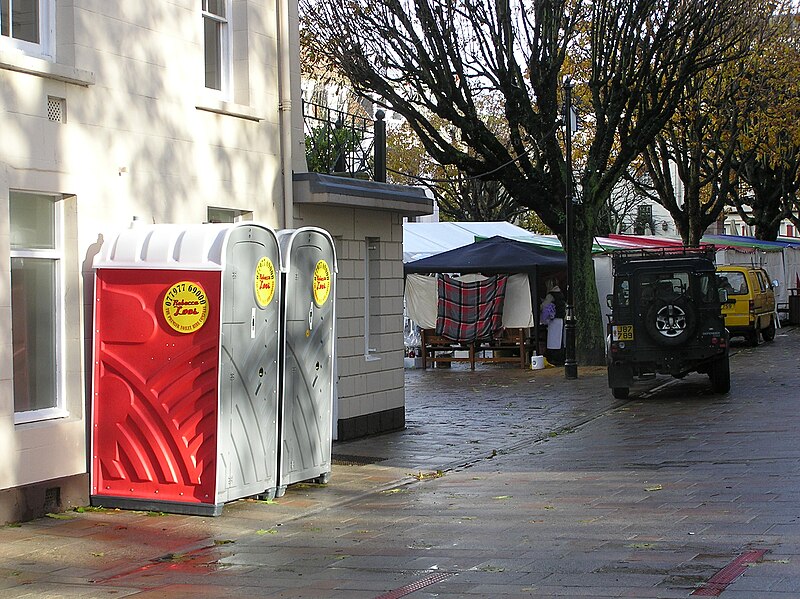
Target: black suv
x=666, y=317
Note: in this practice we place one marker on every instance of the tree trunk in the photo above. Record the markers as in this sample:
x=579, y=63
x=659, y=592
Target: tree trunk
x=691, y=204
x=589, y=333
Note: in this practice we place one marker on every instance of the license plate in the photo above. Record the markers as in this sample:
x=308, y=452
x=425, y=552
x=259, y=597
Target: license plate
x=622, y=332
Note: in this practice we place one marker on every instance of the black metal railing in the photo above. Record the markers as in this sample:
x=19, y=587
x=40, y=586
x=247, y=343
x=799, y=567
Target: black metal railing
x=344, y=144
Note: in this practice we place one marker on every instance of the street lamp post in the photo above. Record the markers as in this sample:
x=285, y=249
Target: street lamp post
x=570, y=322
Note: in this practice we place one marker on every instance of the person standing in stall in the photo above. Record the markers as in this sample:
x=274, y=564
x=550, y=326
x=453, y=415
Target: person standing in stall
x=552, y=313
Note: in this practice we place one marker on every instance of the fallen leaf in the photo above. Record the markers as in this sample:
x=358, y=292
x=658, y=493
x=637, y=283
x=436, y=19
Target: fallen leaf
x=426, y=475
x=654, y=488
x=491, y=568
x=263, y=501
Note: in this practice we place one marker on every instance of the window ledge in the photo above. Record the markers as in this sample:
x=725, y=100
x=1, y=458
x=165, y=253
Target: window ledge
x=39, y=416
x=229, y=109
x=371, y=358
x=22, y=63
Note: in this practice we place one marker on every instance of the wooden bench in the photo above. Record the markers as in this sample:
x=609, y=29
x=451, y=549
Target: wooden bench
x=512, y=345
x=436, y=348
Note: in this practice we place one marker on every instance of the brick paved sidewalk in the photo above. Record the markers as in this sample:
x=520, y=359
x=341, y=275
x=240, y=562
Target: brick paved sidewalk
x=552, y=488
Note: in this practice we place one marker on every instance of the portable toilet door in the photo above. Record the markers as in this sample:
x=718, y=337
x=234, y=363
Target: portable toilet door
x=184, y=410
x=249, y=375
x=306, y=403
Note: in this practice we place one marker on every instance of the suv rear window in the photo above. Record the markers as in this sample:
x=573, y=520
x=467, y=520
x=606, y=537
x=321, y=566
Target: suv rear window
x=708, y=289
x=622, y=291
x=656, y=285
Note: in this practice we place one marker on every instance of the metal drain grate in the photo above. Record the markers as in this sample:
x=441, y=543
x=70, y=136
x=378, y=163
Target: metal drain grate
x=354, y=460
x=52, y=499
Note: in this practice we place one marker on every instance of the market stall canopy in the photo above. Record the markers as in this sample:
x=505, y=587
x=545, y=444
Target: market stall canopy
x=421, y=240
x=741, y=242
x=491, y=256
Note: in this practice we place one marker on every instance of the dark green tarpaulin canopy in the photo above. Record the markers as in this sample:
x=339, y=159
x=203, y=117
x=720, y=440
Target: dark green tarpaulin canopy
x=495, y=255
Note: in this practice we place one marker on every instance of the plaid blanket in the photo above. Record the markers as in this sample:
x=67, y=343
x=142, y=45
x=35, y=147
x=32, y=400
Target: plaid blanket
x=470, y=311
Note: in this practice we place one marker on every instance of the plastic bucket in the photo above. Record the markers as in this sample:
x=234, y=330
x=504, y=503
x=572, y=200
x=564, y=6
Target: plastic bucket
x=537, y=362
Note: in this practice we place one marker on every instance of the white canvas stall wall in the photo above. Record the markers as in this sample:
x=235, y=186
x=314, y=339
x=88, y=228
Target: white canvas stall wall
x=422, y=299
x=791, y=267
x=604, y=282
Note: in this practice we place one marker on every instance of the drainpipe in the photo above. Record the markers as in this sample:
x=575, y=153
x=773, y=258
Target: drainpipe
x=285, y=110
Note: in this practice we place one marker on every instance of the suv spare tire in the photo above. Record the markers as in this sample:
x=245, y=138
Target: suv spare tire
x=670, y=322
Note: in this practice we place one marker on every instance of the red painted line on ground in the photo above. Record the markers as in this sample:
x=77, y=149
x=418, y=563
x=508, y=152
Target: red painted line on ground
x=160, y=561
x=415, y=586
x=720, y=581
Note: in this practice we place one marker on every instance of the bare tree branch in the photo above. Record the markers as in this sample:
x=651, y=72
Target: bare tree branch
x=446, y=57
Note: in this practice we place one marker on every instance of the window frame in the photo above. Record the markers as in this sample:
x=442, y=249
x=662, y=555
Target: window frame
x=226, y=50
x=763, y=281
x=371, y=297
x=44, y=47
x=622, y=292
x=229, y=215
x=56, y=255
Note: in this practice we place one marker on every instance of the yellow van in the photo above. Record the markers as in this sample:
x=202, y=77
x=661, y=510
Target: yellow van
x=750, y=309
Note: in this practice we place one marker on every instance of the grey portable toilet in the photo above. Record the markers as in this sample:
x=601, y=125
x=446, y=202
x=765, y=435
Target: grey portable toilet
x=186, y=367
x=309, y=329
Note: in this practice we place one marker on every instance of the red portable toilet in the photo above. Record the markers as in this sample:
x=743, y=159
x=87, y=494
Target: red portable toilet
x=186, y=355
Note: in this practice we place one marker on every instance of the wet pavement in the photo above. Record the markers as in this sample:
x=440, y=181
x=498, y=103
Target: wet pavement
x=505, y=483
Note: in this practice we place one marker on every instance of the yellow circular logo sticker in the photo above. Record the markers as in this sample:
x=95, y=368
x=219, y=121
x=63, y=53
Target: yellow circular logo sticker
x=185, y=306
x=322, y=282
x=265, y=281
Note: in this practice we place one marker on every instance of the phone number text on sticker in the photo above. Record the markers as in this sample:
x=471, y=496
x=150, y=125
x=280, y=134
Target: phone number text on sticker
x=185, y=306
x=622, y=332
